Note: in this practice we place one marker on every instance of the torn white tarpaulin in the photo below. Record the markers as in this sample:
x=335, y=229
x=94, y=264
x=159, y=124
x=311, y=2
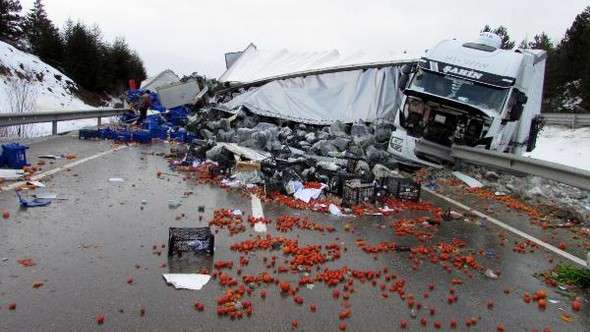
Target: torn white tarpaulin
x=255, y=63
x=244, y=152
x=308, y=194
x=190, y=281
x=471, y=182
x=347, y=96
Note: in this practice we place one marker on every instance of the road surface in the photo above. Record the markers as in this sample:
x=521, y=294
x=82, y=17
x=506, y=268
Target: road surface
x=86, y=249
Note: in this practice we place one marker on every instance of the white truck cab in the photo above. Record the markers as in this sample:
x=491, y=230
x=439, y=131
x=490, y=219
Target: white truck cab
x=469, y=93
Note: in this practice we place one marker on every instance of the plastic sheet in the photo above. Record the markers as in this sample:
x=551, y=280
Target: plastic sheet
x=349, y=96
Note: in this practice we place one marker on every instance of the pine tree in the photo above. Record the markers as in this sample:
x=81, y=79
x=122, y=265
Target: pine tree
x=541, y=42
x=43, y=36
x=507, y=43
x=10, y=20
x=572, y=58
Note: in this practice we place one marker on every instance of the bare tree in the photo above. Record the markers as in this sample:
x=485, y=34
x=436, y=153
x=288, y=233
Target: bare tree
x=22, y=98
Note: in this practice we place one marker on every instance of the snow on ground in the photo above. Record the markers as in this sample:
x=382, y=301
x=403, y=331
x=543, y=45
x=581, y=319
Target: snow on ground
x=564, y=146
x=50, y=89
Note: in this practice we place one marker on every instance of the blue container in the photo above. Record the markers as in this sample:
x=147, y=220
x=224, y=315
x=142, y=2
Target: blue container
x=123, y=136
x=103, y=133
x=142, y=136
x=107, y=133
x=159, y=132
x=14, y=155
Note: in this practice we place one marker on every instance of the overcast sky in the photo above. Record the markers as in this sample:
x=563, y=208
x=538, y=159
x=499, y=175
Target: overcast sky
x=193, y=35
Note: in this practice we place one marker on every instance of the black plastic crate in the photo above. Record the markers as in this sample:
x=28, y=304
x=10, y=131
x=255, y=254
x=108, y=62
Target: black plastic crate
x=398, y=187
x=88, y=134
x=219, y=170
x=408, y=190
x=351, y=164
x=337, y=181
x=197, y=240
x=355, y=192
x=388, y=184
x=190, y=264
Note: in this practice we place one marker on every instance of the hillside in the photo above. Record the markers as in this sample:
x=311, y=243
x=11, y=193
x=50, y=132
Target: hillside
x=47, y=88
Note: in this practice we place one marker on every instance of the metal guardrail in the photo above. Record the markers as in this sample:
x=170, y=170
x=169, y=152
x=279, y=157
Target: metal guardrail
x=573, y=120
x=565, y=174
x=15, y=119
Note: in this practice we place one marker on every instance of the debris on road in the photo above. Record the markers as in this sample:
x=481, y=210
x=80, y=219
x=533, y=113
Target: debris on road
x=32, y=203
x=471, y=182
x=36, y=184
x=11, y=174
x=190, y=240
x=491, y=274
x=187, y=281
x=49, y=156
x=26, y=262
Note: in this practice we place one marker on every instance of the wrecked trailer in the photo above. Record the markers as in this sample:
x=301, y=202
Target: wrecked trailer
x=319, y=88
x=319, y=92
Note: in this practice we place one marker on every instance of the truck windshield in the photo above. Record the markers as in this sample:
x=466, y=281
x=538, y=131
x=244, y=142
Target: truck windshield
x=477, y=95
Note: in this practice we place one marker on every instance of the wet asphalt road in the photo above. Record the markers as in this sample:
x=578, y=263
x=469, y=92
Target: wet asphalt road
x=87, y=247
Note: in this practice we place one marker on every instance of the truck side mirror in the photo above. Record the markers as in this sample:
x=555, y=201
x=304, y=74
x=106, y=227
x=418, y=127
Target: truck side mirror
x=516, y=112
x=521, y=98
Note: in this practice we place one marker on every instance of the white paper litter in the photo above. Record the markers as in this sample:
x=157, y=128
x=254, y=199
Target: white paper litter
x=190, y=281
x=386, y=209
x=491, y=274
x=334, y=210
x=46, y=196
x=36, y=184
x=260, y=227
x=11, y=174
x=237, y=212
x=307, y=194
x=293, y=187
x=471, y=182
x=116, y=180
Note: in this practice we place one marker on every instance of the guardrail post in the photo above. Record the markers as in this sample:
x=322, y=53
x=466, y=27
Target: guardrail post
x=99, y=122
x=54, y=127
x=574, y=121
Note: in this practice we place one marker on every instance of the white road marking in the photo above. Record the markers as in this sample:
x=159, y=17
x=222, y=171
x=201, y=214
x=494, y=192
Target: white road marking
x=43, y=175
x=509, y=228
x=257, y=212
